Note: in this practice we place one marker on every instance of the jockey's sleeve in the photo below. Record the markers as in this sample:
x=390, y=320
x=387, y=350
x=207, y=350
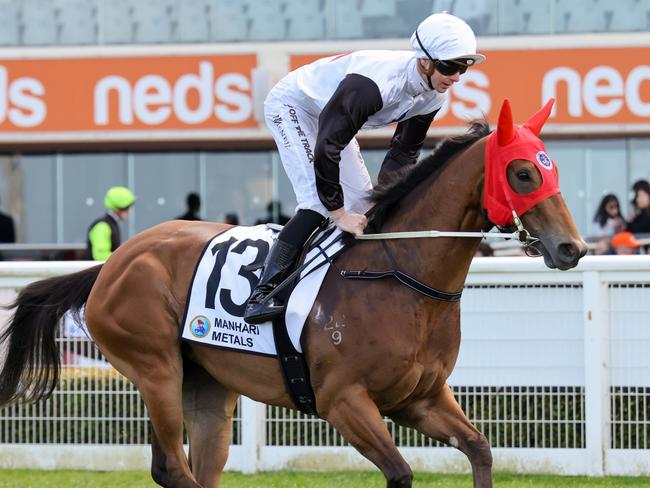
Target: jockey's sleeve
x=100, y=241
x=355, y=99
x=405, y=145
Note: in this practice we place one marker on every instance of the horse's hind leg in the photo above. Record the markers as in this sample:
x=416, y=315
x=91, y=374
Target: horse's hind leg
x=207, y=409
x=158, y=460
x=357, y=418
x=139, y=337
x=159, y=381
x=161, y=392
x=441, y=418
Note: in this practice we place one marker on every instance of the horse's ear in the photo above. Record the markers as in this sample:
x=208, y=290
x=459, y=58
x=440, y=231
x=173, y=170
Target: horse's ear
x=505, y=127
x=537, y=121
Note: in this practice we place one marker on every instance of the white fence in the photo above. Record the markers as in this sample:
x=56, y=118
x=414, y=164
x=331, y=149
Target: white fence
x=554, y=368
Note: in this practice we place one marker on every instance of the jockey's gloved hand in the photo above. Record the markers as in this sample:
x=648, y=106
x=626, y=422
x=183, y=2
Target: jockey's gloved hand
x=348, y=221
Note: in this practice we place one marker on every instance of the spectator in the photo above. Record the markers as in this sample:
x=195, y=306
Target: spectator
x=642, y=183
x=607, y=219
x=602, y=246
x=274, y=214
x=640, y=219
x=7, y=229
x=104, y=233
x=193, y=201
x=231, y=218
x=484, y=250
x=624, y=243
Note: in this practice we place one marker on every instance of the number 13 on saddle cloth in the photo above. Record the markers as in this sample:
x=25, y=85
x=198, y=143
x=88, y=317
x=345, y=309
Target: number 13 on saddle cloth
x=224, y=278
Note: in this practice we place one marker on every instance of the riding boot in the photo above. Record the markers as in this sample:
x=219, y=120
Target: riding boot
x=278, y=263
x=279, y=260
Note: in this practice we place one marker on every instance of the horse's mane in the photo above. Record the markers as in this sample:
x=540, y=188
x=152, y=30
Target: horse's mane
x=386, y=196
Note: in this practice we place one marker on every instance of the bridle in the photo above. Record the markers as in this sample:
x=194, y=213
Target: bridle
x=518, y=232
x=523, y=236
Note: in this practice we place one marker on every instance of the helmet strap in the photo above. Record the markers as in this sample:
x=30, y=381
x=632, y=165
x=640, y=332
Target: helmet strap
x=429, y=72
x=429, y=79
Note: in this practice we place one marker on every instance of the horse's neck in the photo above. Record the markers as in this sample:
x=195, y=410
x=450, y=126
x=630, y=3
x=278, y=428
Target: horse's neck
x=449, y=201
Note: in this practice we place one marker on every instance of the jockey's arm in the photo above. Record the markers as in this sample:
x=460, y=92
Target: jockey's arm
x=354, y=101
x=405, y=145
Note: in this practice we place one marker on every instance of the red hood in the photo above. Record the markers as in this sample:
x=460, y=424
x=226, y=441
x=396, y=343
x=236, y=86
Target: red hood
x=507, y=143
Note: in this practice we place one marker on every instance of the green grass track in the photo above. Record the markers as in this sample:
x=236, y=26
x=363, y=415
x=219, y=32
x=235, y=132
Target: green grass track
x=284, y=479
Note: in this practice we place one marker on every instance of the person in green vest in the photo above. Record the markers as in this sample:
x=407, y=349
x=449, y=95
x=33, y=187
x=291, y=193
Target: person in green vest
x=104, y=233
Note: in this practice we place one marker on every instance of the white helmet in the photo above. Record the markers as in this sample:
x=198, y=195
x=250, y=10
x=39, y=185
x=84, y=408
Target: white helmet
x=445, y=37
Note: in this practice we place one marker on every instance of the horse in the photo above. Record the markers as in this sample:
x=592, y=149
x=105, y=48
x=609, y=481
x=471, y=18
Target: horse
x=395, y=348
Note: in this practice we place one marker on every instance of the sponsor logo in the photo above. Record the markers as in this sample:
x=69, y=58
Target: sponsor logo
x=544, y=161
x=193, y=98
x=200, y=326
x=603, y=92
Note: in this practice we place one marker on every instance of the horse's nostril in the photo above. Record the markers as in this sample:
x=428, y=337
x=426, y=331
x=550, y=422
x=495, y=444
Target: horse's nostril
x=568, y=251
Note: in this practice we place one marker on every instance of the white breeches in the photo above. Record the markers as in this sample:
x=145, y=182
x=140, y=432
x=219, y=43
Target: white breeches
x=295, y=131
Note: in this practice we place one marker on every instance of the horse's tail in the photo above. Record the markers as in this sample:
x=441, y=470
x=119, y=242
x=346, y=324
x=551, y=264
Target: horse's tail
x=32, y=363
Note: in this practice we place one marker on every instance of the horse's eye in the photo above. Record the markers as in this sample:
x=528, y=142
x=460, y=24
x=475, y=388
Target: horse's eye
x=523, y=175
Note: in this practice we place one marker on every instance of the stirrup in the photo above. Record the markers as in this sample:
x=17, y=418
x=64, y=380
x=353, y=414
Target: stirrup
x=260, y=312
x=260, y=308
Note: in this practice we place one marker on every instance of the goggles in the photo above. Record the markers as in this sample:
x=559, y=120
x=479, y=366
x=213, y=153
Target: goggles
x=446, y=68
x=449, y=68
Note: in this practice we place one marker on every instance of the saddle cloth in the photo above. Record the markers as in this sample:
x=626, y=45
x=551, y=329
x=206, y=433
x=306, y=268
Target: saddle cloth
x=224, y=278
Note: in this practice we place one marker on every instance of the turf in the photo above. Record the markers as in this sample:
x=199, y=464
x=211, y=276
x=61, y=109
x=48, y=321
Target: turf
x=350, y=479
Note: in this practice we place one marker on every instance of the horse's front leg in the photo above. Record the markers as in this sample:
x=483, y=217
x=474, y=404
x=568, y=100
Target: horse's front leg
x=358, y=420
x=441, y=418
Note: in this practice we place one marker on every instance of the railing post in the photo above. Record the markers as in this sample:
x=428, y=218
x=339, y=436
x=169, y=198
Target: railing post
x=253, y=424
x=597, y=371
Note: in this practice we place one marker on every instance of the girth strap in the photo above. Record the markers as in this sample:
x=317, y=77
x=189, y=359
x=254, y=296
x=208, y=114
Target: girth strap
x=292, y=363
x=294, y=369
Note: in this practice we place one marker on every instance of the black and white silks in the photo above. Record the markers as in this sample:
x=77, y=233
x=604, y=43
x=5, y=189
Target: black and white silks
x=335, y=97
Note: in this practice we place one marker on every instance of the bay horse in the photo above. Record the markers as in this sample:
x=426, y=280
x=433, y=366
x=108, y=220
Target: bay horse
x=395, y=351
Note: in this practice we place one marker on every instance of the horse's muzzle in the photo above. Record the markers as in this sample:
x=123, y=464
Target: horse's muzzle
x=565, y=255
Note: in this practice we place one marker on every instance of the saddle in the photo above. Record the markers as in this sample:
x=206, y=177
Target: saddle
x=223, y=279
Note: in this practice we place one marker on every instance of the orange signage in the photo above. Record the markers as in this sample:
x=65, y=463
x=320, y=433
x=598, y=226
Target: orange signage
x=591, y=86
x=127, y=93
x=180, y=93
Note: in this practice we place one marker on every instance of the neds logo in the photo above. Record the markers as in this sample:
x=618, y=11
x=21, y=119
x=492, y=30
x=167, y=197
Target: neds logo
x=152, y=99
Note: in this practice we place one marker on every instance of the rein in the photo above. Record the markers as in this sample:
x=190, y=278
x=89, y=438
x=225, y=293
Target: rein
x=521, y=235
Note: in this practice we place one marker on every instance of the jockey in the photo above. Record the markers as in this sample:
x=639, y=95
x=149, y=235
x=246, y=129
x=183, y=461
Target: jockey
x=315, y=112
x=104, y=233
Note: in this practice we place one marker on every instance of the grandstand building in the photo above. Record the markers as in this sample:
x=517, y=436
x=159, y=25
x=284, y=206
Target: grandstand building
x=165, y=97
